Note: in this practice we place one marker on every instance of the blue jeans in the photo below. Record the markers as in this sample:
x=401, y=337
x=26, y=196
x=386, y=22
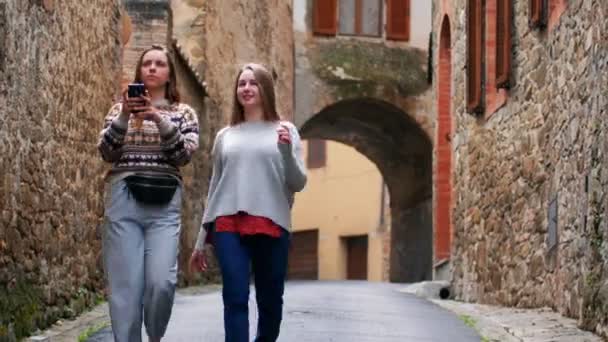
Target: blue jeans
x=268, y=259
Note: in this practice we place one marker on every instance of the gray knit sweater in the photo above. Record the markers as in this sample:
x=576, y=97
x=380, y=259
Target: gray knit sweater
x=253, y=173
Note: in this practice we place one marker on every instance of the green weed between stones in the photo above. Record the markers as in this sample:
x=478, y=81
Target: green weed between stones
x=91, y=331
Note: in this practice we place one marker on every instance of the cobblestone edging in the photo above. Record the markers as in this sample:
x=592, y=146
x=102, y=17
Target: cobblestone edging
x=503, y=324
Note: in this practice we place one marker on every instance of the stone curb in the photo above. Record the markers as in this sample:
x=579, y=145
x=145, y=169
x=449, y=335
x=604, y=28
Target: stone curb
x=69, y=331
x=504, y=324
x=501, y=324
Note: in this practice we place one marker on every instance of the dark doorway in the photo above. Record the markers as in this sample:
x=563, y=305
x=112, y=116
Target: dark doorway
x=356, y=257
x=304, y=255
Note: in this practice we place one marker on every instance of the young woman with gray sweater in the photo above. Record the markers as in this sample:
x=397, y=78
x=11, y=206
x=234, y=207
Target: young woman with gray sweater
x=257, y=168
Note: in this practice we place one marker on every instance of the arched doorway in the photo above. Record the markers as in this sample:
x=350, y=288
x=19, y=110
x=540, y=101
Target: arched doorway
x=402, y=151
x=443, y=171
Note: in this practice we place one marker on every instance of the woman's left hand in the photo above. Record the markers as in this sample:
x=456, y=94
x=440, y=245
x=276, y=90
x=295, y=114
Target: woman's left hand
x=147, y=111
x=284, y=135
x=198, y=261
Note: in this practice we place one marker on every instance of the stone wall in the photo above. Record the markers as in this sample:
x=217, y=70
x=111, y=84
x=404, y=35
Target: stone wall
x=196, y=175
x=220, y=36
x=547, y=142
x=148, y=22
x=58, y=71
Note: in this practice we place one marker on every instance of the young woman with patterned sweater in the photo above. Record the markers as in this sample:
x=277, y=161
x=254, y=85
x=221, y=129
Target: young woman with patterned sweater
x=146, y=139
x=257, y=168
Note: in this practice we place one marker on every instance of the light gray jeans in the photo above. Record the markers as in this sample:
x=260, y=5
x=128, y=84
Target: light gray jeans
x=140, y=247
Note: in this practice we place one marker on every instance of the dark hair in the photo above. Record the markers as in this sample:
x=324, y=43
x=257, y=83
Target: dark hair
x=266, y=88
x=171, y=92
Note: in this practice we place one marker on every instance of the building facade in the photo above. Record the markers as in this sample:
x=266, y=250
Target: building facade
x=339, y=219
x=520, y=95
x=361, y=80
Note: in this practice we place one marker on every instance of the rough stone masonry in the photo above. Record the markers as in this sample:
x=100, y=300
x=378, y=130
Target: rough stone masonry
x=58, y=73
x=547, y=144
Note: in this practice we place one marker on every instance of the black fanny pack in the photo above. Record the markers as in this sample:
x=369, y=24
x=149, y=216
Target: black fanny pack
x=152, y=189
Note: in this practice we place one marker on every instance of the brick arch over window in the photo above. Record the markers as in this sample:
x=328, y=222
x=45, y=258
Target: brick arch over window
x=443, y=150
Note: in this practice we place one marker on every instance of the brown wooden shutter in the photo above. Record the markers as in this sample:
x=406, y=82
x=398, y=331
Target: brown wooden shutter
x=398, y=19
x=474, y=56
x=325, y=17
x=538, y=13
x=504, y=19
x=317, y=155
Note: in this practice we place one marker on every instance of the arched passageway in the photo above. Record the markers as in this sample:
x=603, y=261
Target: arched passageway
x=403, y=154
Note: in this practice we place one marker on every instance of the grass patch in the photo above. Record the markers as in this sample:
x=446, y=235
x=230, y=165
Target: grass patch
x=91, y=331
x=471, y=323
x=21, y=307
x=468, y=320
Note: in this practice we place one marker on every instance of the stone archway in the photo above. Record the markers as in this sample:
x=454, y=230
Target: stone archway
x=443, y=151
x=402, y=151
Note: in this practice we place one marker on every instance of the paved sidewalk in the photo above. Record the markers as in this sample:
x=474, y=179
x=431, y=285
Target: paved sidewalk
x=502, y=324
x=519, y=325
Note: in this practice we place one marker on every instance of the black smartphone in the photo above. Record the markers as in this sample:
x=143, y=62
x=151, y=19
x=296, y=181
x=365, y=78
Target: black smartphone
x=136, y=90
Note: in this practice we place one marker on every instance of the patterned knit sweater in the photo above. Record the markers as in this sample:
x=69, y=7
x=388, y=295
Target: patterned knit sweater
x=149, y=148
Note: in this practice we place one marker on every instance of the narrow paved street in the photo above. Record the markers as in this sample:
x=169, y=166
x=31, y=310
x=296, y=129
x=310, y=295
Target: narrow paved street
x=327, y=311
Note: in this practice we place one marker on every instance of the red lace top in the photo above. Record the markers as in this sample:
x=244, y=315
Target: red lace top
x=246, y=224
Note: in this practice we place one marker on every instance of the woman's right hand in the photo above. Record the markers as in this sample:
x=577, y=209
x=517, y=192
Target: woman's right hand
x=198, y=261
x=130, y=104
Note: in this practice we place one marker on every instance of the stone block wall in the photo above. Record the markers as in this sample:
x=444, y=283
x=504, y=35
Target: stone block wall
x=149, y=24
x=546, y=142
x=59, y=68
x=220, y=36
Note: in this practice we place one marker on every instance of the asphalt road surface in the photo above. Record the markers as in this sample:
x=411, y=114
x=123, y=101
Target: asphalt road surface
x=319, y=311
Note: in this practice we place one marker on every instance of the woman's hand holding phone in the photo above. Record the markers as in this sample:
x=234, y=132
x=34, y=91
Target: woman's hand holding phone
x=137, y=104
x=145, y=110
x=131, y=97
x=127, y=104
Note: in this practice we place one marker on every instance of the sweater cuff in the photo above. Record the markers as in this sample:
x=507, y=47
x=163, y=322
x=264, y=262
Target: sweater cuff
x=121, y=122
x=200, y=241
x=286, y=150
